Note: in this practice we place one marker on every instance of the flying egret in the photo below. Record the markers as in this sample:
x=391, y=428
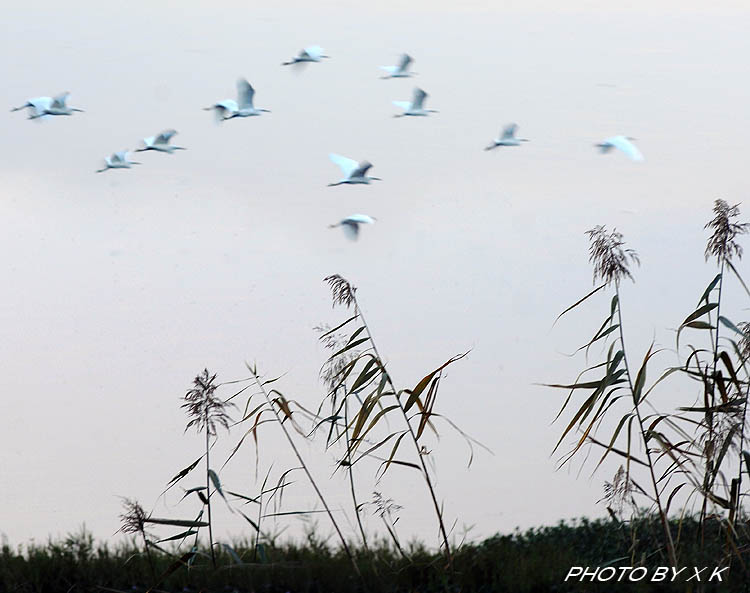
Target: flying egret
x=416, y=106
x=118, y=160
x=622, y=143
x=350, y=225
x=400, y=71
x=507, y=137
x=160, y=143
x=312, y=53
x=242, y=107
x=41, y=106
x=353, y=171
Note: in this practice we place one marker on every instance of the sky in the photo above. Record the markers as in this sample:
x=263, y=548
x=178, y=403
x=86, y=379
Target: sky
x=120, y=287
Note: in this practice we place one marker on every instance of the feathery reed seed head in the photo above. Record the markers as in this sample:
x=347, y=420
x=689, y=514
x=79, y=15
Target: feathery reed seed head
x=341, y=290
x=609, y=256
x=722, y=243
x=205, y=410
x=133, y=518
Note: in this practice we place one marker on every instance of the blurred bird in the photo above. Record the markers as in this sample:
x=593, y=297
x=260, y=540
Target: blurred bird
x=400, y=71
x=242, y=107
x=350, y=225
x=312, y=53
x=118, y=160
x=622, y=143
x=353, y=171
x=507, y=137
x=416, y=106
x=160, y=143
x=41, y=106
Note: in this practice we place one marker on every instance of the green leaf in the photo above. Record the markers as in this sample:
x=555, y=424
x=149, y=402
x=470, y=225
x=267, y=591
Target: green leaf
x=699, y=325
x=709, y=288
x=176, y=522
x=216, y=482
x=700, y=312
x=182, y=535
x=184, y=472
x=578, y=302
x=349, y=346
x=731, y=325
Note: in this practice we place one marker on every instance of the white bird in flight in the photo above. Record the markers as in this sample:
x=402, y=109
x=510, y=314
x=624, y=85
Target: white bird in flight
x=160, y=143
x=350, y=225
x=312, y=53
x=353, y=171
x=400, y=71
x=242, y=107
x=622, y=143
x=118, y=160
x=41, y=106
x=507, y=137
x=416, y=106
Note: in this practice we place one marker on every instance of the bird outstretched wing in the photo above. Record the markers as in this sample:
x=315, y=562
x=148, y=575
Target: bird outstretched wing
x=59, y=101
x=419, y=97
x=362, y=169
x=347, y=166
x=120, y=157
x=509, y=131
x=314, y=52
x=165, y=137
x=245, y=93
x=626, y=146
x=403, y=65
x=350, y=228
x=40, y=104
x=405, y=105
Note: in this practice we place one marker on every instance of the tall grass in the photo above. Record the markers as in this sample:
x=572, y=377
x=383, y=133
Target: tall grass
x=363, y=400
x=686, y=453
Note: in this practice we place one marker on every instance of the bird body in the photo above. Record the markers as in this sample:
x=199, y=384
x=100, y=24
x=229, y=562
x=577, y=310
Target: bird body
x=41, y=106
x=118, y=160
x=415, y=106
x=160, y=143
x=507, y=137
x=623, y=144
x=354, y=172
x=312, y=53
x=400, y=71
x=242, y=107
x=350, y=225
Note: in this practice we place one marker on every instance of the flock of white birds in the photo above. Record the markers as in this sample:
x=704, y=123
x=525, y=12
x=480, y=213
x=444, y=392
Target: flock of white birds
x=354, y=172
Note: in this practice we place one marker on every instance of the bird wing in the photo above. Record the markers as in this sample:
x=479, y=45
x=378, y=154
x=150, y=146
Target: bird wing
x=120, y=157
x=360, y=219
x=419, y=97
x=361, y=169
x=59, y=100
x=347, y=166
x=350, y=228
x=405, y=105
x=312, y=51
x=223, y=107
x=165, y=137
x=626, y=146
x=245, y=93
x=40, y=104
x=403, y=65
x=509, y=131
x=390, y=69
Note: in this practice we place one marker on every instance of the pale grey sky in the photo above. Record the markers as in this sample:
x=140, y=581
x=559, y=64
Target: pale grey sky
x=120, y=287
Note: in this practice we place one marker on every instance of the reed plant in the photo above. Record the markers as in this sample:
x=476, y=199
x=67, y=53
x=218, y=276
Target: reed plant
x=684, y=453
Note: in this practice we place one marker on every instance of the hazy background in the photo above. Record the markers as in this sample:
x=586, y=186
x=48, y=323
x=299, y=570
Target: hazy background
x=118, y=288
